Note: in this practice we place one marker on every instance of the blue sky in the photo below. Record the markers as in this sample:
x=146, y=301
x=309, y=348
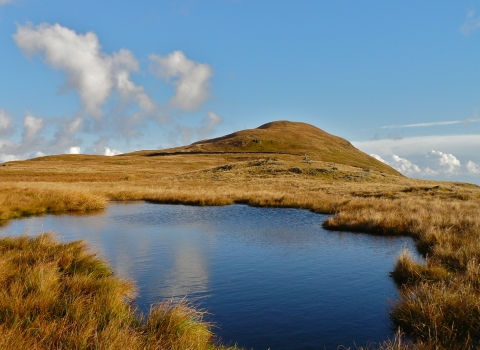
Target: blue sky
x=400, y=80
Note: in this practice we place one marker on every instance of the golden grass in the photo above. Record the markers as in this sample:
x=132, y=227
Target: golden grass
x=439, y=301
x=60, y=296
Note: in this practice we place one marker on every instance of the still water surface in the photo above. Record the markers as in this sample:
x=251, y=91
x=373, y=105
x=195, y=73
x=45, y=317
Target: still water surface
x=271, y=278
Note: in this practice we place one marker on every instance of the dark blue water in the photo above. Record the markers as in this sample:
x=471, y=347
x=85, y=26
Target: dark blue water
x=270, y=278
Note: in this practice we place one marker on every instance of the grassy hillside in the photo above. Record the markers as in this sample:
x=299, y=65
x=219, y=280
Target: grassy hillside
x=284, y=137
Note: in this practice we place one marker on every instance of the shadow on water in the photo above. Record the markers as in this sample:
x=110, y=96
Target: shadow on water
x=270, y=278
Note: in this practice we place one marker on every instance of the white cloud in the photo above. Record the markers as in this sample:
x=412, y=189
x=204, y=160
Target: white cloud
x=431, y=163
x=31, y=127
x=33, y=142
x=91, y=72
x=5, y=123
x=418, y=125
x=111, y=152
x=74, y=150
x=191, y=79
x=472, y=23
x=404, y=165
x=377, y=157
x=444, y=162
x=3, y=2
x=466, y=146
x=473, y=168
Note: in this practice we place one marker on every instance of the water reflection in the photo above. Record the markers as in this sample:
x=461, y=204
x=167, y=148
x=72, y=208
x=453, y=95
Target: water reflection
x=272, y=278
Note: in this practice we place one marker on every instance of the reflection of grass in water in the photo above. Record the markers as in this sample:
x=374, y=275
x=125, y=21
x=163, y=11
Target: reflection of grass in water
x=59, y=296
x=438, y=303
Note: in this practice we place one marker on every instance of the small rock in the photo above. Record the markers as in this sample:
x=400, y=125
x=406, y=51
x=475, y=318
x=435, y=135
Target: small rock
x=295, y=170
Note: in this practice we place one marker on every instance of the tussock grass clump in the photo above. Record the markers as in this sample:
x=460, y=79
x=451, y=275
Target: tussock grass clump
x=444, y=314
x=177, y=326
x=60, y=296
x=57, y=296
x=408, y=272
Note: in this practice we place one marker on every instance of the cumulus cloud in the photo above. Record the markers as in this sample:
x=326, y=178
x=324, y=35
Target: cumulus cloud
x=91, y=72
x=473, y=168
x=444, y=162
x=435, y=164
x=471, y=24
x=111, y=152
x=74, y=150
x=191, y=79
x=404, y=165
x=377, y=157
x=107, y=94
x=465, y=145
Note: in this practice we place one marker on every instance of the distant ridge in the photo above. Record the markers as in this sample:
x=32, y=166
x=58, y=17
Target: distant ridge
x=284, y=137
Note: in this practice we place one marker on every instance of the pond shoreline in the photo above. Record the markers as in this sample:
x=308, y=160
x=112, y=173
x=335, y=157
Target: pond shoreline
x=135, y=206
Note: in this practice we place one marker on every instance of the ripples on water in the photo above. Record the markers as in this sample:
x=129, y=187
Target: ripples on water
x=270, y=278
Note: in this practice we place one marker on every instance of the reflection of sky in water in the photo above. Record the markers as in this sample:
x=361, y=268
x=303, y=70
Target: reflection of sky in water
x=270, y=277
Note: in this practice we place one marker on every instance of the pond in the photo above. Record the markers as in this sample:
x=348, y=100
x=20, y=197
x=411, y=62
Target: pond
x=270, y=278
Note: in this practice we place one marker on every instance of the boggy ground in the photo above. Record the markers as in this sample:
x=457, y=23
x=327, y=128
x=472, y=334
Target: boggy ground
x=440, y=301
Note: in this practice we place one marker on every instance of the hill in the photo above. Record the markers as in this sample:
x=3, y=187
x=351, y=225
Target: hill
x=283, y=137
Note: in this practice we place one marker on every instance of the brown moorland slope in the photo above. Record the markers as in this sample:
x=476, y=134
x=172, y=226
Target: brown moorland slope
x=284, y=137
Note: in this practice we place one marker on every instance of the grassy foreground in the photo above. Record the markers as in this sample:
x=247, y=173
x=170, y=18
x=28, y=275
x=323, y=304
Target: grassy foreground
x=60, y=296
x=439, y=305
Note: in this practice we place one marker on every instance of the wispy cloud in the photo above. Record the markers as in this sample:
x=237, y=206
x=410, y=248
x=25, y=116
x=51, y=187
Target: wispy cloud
x=207, y=128
x=3, y=2
x=473, y=168
x=6, y=127
x=420, y=125
x=471, y=24
x=33, y=142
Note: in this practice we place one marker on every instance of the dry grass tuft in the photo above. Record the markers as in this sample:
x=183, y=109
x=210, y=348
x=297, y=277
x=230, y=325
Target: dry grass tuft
x=177, y=326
